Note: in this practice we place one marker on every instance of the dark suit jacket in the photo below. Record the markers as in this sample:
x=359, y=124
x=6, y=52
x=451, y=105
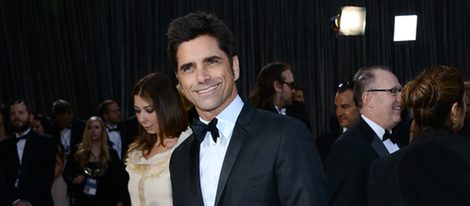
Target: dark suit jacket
x=325, y=142
x=296, y=110
x=37, y=169
x=76, y=133
x=347, y=165
x=129, y=129
x=270, y=160
x=433, y=170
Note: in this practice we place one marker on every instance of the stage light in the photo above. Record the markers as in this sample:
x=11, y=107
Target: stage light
x=405, y=28
x=351, y=21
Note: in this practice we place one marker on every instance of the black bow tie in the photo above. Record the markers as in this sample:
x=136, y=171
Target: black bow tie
x=20, y=138
x=387, y=135
x=200, y=129
x=113, y=129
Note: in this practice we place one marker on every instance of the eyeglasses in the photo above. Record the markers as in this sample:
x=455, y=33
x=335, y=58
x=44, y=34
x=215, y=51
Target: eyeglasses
x=392, y=91
x=290, y=84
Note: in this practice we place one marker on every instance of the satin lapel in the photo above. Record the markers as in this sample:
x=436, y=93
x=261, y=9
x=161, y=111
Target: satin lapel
x=29, y=145
x=194, y=167
x=14, y=151
x=238, y=136
x=375, y=142
x=236, y=142
x=379, y=147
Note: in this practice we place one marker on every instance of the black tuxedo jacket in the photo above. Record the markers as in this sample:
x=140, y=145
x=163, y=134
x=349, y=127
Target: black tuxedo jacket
x=433, y=170
x=325, y=142
x=128, y=130
x=271, y=160
x=37, y=169
x=76, y=133
x=296, y=110
x=348, y=163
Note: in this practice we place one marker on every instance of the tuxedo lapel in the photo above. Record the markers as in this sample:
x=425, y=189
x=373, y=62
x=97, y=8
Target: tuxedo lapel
x=194, y=167
x=379, y=147
x=236, y=142
x=25, y=161
x=375, y=142
x=13, y=151
x=238, y=136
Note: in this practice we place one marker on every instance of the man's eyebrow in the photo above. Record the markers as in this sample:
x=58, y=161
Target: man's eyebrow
x=212, y=58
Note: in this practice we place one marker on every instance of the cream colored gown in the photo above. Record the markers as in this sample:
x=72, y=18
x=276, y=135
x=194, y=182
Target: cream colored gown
x=149, y=179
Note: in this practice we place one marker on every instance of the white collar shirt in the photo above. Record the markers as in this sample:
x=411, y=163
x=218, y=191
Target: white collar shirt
x=280, y=110
x=65, y=136
x=115, y=138
x=21, y=144
x=379, y=131
x=212, y=154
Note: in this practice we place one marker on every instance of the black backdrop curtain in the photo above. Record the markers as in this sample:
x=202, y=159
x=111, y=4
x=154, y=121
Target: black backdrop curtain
x=88, y=50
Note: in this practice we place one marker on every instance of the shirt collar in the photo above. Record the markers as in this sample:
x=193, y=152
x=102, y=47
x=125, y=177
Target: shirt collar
x=228, y=117
x=379, y=131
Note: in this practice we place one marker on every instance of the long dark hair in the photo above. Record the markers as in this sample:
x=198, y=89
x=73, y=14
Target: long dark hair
x=163, y=96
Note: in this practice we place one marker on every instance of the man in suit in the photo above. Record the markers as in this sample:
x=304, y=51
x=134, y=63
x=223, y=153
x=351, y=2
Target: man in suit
x=347, y=113
x=27, y=161
x=274, y=91
x=244, y=155
x=377, y=93
x=66, y=129
x=111, y=113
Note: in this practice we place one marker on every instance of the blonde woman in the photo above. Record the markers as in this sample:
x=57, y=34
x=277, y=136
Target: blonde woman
x=94, y=172
x=163, y=126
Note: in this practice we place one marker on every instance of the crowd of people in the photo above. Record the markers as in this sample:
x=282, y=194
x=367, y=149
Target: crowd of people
x=200, y=143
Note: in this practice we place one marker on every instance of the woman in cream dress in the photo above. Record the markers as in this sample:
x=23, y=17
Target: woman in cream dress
x=163, y=126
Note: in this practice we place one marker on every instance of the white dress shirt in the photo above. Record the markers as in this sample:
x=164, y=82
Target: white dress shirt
x=115, y=138
x=281, y=110
x=212, y=154
x=65, y=136
x=379, y=131
x=20, y=144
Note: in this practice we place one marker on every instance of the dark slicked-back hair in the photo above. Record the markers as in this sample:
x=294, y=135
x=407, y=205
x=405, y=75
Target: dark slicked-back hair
x=362, y=80
x=431, y=96
x=157, y=89
x=262, y=95
x=193, y=25
x=61, y=106
x=103, y=107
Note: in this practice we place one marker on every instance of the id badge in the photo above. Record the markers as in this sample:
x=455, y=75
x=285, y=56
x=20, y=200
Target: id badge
x=90, y=187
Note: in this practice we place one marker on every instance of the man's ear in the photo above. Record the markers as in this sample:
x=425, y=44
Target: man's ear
x=366, y=99
x=455, y=112
x=235, y=68
x=277, y=86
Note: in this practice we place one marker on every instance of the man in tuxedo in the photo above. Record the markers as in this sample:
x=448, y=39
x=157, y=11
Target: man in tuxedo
x=27, y=162
x=377, y=93
x=274, y=91
x=66, y=129
x=237, y=154
x=111, y=113
x=346, y=114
